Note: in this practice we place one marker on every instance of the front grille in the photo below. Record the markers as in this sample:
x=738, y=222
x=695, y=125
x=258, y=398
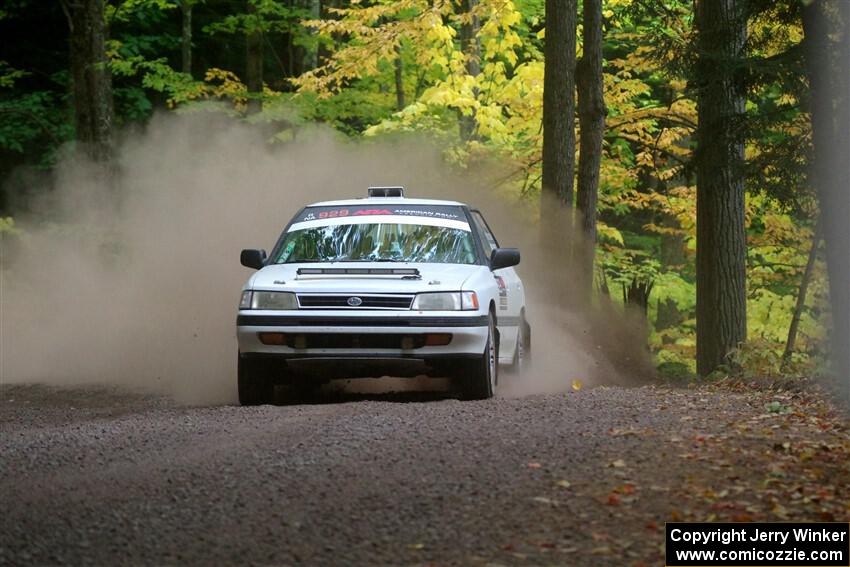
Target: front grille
x=351, y=341
x=366, y=301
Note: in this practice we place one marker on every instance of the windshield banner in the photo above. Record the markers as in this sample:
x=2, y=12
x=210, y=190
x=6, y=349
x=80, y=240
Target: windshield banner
x=429, y=215
x=428, y=211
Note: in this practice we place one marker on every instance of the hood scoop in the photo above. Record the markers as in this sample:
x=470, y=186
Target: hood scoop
x=321, y=273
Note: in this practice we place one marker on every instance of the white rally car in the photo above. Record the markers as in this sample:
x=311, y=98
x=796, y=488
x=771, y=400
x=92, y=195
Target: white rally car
x=381, y=286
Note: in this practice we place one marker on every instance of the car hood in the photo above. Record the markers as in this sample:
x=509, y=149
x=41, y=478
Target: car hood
x=434, y=277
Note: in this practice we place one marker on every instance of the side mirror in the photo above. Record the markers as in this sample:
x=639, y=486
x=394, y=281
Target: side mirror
x=255, y=259
x=504, y=258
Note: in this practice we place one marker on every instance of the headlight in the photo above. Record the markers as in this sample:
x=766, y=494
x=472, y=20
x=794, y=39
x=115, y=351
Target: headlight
x=446, y=301
x=271, y=300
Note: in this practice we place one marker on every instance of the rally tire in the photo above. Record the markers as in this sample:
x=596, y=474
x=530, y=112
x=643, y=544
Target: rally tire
x=522, y=351
x=254, y=383
x=480, y=383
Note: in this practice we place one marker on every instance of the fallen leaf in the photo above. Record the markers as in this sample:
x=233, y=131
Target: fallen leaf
x=623, y=432
x=577, y=385
x=618, y=464
x=563, y=483
x=780, y=511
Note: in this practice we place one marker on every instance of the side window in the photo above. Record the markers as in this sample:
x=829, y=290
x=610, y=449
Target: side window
x=488, y=240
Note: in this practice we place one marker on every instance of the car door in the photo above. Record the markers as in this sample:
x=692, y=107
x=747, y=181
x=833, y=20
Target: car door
x=511, y=293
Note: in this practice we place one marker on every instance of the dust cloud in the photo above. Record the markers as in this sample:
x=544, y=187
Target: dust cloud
x=131, y=277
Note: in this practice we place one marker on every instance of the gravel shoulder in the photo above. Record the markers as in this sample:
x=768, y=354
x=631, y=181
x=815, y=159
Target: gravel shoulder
x=103, y=477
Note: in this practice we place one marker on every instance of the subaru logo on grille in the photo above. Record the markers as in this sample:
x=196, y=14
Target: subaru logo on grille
x=355, y=301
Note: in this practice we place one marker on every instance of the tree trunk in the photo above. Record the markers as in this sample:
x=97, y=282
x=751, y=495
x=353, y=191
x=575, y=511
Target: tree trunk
x=291, y=66
x=399, y=83
x=721, y=238
x=311, y=57
x=672, y=256
x=254, y=61
x=591, y=112
x=559, y=105
x=801, y=298
x=186, y=36
x=637, y=294
x=326, y=14
x=91, y=78
x=827, y=62
x=556, y=196
x=667, y=314
x=471, y=48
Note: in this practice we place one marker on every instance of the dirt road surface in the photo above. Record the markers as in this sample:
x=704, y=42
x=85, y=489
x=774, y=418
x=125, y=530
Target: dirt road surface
x=99, y=477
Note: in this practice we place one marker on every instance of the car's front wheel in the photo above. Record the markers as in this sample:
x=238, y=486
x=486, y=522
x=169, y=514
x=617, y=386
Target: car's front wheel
x=480, y=382
x=254, y=383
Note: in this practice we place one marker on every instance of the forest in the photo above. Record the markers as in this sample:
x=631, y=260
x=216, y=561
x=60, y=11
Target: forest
x=697, y=146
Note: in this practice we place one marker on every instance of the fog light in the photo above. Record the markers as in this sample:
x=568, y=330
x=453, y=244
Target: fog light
x=437, y=339
x=272, y=338
x=300, y=341
x=406, y=343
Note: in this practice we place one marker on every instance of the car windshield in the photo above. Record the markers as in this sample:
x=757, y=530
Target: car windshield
x=377, y=242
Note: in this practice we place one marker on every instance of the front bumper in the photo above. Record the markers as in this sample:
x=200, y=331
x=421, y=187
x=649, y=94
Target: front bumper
x=362, y=345
x=468, y=334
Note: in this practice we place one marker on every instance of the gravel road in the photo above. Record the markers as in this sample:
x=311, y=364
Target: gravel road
x=105, y=478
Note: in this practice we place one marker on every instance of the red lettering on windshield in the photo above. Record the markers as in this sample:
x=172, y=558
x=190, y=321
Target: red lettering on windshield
x=333, y=214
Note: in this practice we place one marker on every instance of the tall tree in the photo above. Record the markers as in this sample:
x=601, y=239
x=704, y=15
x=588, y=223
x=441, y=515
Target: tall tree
x=591, y=114
x=801, y=298
x=471, y=48
x=559, y=105
x=254, y=59
x=721, y=26
x=399, y=80
x=827, y=63
x=311, y=56
x=186, y=36
x=90, y=76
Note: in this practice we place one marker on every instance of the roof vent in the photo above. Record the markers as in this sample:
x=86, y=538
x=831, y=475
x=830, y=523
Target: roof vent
x=386, y=191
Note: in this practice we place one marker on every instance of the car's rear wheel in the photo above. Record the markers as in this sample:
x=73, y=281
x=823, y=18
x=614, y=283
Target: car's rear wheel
x=255, y=384
x=522, y=352
x=480, y=382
